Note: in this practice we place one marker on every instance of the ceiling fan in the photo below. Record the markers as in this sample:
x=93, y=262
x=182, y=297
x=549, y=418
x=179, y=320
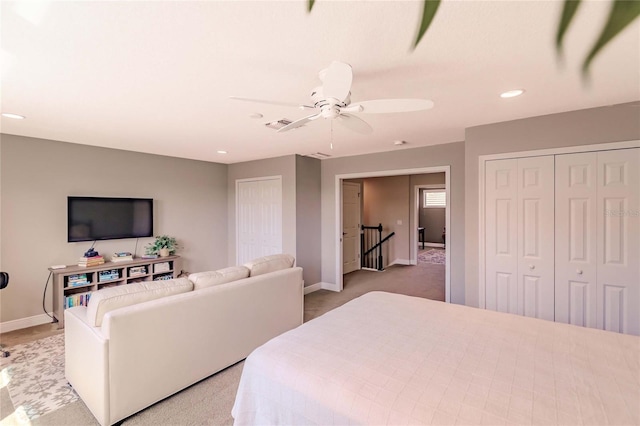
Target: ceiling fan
x=333, y=100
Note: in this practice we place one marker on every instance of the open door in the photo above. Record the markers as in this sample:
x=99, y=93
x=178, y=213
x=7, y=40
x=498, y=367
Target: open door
x=350, y=227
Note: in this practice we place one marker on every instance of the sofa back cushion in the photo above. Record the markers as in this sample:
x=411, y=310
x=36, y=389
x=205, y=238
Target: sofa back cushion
x=221, y=276
x=108, y=299
x=266, y=264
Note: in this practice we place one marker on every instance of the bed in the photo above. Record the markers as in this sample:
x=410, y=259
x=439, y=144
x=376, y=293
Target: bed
x=385, y=358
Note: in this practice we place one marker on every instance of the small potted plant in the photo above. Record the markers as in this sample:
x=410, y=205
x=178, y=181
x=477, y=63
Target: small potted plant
x=163, y=245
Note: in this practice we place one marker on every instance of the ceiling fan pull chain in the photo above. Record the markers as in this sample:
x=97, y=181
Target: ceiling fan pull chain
x=331, y=144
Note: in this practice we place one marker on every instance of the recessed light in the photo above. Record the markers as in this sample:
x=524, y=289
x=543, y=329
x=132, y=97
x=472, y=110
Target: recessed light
x=14, y=116
x=512, y=93
x=399, y=142
x=221, y=152
x=256, y=115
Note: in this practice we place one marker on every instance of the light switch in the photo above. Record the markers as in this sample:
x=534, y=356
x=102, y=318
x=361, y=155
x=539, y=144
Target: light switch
x=399, y=222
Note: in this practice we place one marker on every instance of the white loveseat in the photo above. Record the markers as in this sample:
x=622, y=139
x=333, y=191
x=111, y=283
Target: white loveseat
x=123, y=354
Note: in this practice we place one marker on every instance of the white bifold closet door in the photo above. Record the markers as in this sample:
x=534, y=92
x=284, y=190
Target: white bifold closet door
x=598, y=240
x=519, y=227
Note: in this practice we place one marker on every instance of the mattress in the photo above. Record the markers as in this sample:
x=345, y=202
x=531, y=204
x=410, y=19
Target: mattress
x=392, y=359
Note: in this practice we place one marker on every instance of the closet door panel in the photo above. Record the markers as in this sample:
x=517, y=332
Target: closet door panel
x=618, y=233
x=536, y=237
x=501, y=235
x=575, y=239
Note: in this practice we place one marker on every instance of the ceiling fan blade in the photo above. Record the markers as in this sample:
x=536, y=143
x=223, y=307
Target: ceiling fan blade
x=337, y=81
x=263, y=101
x=354, y=123
x=380, y=106
x=299, y=123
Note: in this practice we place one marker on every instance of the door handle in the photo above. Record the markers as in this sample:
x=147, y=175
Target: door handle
x=344, y=233
x=532, y=267
x=579, y=271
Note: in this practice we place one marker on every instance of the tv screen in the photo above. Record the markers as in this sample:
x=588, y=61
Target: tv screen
x=96, y=218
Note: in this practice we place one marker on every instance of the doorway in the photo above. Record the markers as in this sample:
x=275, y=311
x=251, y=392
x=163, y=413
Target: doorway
x=412, y=236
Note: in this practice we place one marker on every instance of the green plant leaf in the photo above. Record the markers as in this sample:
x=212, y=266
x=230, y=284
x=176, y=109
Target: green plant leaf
x=568, y=12
x=430, y=7
x=310, y=4
x=623, y=12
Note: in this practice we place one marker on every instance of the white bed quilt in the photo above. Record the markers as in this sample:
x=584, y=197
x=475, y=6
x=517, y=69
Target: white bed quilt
x=391, y=359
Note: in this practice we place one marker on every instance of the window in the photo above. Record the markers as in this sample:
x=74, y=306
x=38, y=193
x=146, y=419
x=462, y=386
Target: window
x=435, y=198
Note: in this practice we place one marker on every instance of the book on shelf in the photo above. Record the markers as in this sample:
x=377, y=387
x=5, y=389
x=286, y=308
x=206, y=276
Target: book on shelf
x=164, y=277
x=76, y=280
x=91, y=261
x=80, y=299
x=137, y=270
x=149, y=256
x=108, y=275
x=121, y=258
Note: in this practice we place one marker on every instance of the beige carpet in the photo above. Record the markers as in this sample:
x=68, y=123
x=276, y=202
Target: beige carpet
x=209, y=401
x=423, y=280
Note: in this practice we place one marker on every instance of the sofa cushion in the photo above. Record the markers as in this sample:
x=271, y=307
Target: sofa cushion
x=108, y=299
x=221, y=276
x=266, y=264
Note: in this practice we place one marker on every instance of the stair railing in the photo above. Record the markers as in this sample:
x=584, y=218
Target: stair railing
x=371, y=247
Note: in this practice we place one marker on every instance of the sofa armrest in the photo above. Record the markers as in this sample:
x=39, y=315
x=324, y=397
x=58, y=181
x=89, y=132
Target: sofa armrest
x=86, y=362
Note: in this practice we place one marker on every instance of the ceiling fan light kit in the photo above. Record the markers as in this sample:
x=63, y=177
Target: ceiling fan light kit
x=332, y=101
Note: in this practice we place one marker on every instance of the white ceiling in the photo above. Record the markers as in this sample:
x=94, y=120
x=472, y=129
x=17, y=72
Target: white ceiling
x=156, y=76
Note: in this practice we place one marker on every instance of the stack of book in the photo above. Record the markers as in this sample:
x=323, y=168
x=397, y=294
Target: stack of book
x=77, y=280
x=91, y=261
x=137, y=270
x=122, y=256
x=108, y=275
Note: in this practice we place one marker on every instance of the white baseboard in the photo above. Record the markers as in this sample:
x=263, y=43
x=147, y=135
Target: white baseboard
x=432, y=245
x=370, y=269
x=329, y=286
x=313, y=287
x=400, y=262
x=24, y=323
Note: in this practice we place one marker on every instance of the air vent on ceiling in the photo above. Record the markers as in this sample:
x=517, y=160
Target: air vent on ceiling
x=319, y=155
x=277, y=125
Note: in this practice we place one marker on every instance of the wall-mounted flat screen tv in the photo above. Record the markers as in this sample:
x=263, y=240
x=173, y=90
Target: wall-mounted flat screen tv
x=100, y=218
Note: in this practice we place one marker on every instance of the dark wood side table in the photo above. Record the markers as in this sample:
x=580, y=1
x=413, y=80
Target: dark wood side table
x=421, y=235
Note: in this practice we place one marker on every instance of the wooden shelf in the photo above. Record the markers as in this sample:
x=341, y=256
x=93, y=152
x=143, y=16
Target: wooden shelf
x=61, y=289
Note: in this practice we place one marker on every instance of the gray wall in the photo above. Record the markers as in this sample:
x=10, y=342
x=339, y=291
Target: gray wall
x=432, y=220
x=280, y=166
x=308, y=218
x=585, y=127
x=37, y=176
x=437, y=155
x=386, y=201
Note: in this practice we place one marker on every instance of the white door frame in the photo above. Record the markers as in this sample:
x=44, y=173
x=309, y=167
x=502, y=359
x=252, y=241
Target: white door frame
x=413, y=236
x=413, y=254
x=238, y=182
x=522, y=154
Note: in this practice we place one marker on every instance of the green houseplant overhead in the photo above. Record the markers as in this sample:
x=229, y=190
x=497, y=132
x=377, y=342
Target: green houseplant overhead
x=162, y=242
x=621, y=14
